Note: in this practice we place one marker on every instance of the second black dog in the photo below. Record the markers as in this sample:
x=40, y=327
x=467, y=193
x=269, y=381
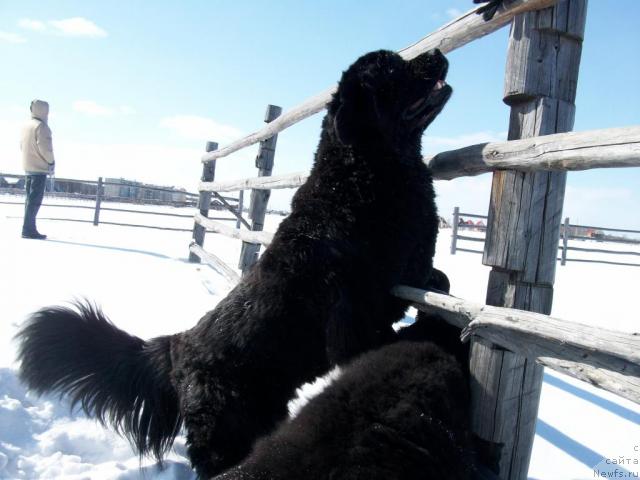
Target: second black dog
x=400, y=412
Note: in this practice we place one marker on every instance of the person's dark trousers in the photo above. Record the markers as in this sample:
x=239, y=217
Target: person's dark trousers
x=34, y=185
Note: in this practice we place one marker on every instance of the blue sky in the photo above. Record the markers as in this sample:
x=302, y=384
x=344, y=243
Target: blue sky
x=137, y=88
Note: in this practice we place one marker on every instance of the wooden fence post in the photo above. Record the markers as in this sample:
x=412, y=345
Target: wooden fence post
x=204, y=201
x=99, y=193
x=523, y=226
x=454, y=231
x=260, y=198
x=240, y=207
x=565, y=240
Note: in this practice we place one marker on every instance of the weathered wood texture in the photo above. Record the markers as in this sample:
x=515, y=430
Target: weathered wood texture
x=525, y=208
x=571, y=151
x=455, y=34
x=204, y=201
x=263, y=238
x=607, y=148
x=605, y=358
x=565, y=241
x=542, y=66
x=523, y=225
x=260, y=197
x=273, y=182
x=240, y=209
x=454, y=229
x=232, y=209
x=99, y=194
x=216, y=263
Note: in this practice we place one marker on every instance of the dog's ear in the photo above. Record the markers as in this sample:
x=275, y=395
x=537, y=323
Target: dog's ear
x=358, y=110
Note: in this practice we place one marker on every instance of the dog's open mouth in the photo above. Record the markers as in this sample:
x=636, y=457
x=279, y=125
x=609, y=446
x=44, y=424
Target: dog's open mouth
x=429, y=65
x=426, y=108
x=417, y=107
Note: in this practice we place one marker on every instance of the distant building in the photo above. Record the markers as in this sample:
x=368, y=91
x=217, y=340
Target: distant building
x=75, y=187
x=120, y=188
x=11, y=184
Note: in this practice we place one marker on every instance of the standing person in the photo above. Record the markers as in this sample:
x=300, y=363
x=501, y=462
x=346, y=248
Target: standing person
x=37, y=161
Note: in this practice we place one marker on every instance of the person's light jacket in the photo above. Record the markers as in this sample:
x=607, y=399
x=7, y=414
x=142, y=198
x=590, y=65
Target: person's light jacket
x=36, y=145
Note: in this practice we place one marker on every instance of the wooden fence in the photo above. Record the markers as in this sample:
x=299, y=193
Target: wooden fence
x=95, y=190
x=509, y=345
x=568, y=231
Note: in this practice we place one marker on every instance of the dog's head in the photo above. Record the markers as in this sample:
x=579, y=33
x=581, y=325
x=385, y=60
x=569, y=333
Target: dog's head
x=382, y=97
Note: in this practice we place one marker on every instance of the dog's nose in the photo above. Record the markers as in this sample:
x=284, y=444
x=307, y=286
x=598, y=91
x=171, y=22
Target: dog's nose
x=431, y=64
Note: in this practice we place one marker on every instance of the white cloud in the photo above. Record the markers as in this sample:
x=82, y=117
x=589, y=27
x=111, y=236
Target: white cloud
x=164, y=164
x=598, y=194
x=93, y=109
x=192, y=127
x=125, y=110
x=601, y=206
x=471, y=194
x=69, y=27
x=35, y=25
x=12, y=37
x=77, y=27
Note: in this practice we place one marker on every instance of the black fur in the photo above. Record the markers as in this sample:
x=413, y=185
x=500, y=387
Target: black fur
x=398, y=413
x=116, y=377
x=363, y=222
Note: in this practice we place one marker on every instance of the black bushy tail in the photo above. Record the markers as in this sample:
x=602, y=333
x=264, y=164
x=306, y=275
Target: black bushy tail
x=116, y=377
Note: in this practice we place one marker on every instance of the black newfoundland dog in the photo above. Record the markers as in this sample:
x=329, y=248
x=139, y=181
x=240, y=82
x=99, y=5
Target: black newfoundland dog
x=364, y=221
x=398, y=413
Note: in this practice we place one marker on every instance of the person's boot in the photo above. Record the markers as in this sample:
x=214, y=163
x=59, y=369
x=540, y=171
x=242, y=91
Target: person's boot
x=35, y=235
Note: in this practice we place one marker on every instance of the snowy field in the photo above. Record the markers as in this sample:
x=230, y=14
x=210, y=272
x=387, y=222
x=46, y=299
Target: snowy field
x=142, y=280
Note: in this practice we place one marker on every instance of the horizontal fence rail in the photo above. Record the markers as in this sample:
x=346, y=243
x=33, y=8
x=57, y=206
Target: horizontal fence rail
x=99, y=196
x=607, y=148
x=605, y=358
x=216, y=263
x=259, y=237
x=566, y=236
x=264, y=183
x=455, y=34
x=578, y=232
x=608, y=229
x=601, y=250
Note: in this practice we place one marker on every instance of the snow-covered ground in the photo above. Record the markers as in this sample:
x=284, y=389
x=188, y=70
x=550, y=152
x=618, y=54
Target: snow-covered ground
x=142, y=280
